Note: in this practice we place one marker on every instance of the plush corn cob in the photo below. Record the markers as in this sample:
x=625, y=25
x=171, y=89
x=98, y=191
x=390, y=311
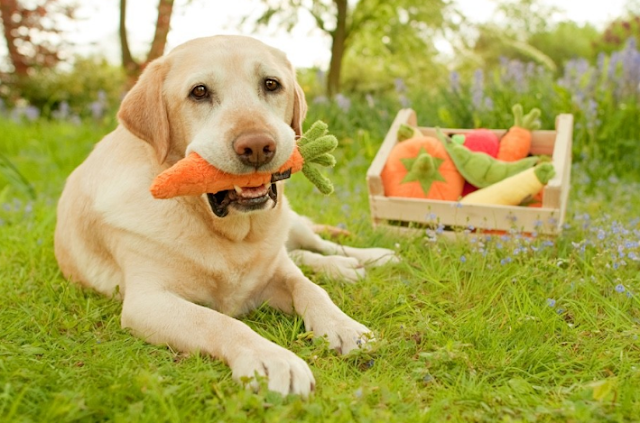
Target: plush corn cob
x=193, y=175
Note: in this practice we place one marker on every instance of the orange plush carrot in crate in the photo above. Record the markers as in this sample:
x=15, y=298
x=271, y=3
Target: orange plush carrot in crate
x=516, y=143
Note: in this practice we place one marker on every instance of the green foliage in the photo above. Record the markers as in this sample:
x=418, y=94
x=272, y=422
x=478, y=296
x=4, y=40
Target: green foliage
x=383, y=40
x=565, y=41
x=89, y=80
x=618, y=32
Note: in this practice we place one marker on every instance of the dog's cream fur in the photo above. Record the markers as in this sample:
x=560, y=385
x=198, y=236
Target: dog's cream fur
x=181, y=271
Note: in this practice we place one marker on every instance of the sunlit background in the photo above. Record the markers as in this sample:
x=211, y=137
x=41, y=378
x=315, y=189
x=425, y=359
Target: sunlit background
x=97, y=25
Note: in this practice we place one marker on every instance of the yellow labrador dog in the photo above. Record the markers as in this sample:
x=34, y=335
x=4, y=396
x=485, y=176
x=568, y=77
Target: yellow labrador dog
x=185, y=266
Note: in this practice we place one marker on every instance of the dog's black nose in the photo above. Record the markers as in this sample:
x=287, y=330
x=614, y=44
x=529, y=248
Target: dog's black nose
x=255, y=149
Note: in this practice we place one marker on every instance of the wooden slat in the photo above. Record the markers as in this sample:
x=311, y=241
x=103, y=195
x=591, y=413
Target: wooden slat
x=407, y=116
x=448, y=213
x=562, y=158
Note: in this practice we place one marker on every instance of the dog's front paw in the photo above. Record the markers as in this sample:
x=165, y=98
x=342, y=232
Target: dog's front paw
x=347, y=268
x=345, y=334
x=286, y=373
x=378, y=256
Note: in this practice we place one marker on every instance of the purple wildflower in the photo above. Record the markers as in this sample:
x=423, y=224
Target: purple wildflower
x=97, y=109
x=343, y=102
x=404, y=101
x=370, y=101
x=620, y=288
x=477, y=89
x=551, y=302
x=454, y=79
x=63, y=111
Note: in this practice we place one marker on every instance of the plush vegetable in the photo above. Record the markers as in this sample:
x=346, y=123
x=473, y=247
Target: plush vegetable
x=478, y=140
x=421, y=168
x=516, y=143
x=406, y=132
x=515, y=189
x=482, y=140
x=193, y=175
x=480, y=169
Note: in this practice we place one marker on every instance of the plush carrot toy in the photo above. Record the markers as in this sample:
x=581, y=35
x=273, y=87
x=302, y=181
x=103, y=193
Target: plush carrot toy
x=193, y=175
x=516, y=143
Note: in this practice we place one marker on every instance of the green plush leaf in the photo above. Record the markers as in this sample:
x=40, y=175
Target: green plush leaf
x=325, y=160
x=321, y=182
x=423, y=169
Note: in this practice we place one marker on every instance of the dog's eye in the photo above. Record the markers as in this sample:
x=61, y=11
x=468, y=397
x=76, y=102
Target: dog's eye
x=271, y=84
x=199, y=92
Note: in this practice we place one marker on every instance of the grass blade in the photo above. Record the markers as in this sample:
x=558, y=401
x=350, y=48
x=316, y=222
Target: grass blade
x=15, y=178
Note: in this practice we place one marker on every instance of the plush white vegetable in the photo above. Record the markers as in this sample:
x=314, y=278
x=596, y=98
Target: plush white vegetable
x=515, y=189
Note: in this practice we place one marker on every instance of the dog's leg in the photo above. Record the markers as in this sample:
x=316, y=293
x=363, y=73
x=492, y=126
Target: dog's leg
x=161, y=317
x=290, y=291
x=347, y=268
x=302, y=237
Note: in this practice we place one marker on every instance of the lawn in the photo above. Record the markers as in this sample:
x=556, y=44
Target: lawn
x=506, y=328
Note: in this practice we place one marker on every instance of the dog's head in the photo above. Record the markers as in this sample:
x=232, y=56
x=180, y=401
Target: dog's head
x=232, y=99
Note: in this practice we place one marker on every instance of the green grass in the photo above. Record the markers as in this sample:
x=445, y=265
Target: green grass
x=508, y=329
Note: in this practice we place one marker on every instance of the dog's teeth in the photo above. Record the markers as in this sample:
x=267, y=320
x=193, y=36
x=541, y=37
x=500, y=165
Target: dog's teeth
x=238, y=189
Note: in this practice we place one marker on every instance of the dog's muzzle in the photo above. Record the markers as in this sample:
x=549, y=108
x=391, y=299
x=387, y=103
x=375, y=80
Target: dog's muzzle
x=246, y=199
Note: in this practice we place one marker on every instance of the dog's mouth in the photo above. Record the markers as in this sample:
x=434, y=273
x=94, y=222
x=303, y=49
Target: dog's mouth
x=246, y=199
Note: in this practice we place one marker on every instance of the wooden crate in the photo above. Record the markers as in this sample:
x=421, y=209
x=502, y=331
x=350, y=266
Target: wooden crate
x=417, y=213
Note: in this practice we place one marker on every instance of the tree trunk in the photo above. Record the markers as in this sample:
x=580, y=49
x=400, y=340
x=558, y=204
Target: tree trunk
x=130, y=66
x=165, y=9
x=339, y=39
x=7, y=9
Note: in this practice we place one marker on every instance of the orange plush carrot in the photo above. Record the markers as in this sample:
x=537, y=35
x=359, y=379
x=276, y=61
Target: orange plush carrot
x=516, y=143
x=193, y=175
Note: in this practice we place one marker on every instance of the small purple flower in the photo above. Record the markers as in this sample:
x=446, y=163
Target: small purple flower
x=400, y=85
x=620, y=288
x=463, y=259
x=506, y=260
x=477, y=89
x=97, y=110
x=371, y=102
x=404, y=101
x=551, y=302
x=454, y=80
x=32, y=113
x=63, y=111
x=343, y=102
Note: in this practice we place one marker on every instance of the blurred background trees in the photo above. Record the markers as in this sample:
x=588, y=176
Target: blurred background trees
x=378, y=48
x=368, y=38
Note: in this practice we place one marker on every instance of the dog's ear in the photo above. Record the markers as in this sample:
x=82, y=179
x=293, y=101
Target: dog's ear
x=299, y=110
x=143, y=110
